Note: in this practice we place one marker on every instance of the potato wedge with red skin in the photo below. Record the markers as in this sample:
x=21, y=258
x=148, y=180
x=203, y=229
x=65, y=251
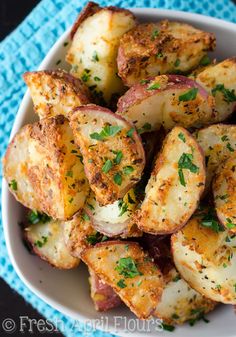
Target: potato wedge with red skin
x=94, y=47
x=224, y=190
x=103, y=137
x=158, y=102
x=179, y=302
x=220, y=81
x=43, y=168
x=140, y=287
x=56, y=92
x=47, y=241
x=206, y=259
x=151, y=49
x=175, y=186
x=114, y=220
x=78, y=233
x=218, y=143
x=103, y=296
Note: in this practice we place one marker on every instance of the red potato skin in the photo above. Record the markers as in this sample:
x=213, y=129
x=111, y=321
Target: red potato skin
x=139, y=91
x=136, y=137
x=111, y=299
x=158, y=164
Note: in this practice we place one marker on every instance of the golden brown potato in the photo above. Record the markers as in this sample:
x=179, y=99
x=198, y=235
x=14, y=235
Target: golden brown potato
x=48, y=243
x=80, y=234
x=44, y=170
x=151, y=49
x=113, y=153
x=175, y=186
x=114, y=219
x=55, y=92
x=224, y=190
x=179, y=302
x=93, y=52
x=167, y=100
x=220, y=81
x=205, y=256
x=129, y=271
x=218, y=143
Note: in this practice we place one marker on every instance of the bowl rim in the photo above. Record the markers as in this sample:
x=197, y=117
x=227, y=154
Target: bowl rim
x=18, y=122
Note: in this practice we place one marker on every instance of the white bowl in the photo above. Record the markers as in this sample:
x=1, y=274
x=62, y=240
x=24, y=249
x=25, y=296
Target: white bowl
x=68, y=291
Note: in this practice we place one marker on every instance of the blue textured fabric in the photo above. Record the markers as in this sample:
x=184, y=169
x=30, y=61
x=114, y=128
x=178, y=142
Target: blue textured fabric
x=23, y=50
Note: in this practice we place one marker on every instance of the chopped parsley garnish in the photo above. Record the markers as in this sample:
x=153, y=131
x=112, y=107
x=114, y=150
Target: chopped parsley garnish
x=121, y=283
x=144, y=128
x=123, y=207
x=95, y=238
x=69, y=174
x=182, y=137
x=35, y=217
x=229, y=147
x=159, y=55
x=41, y=243
x=86, y=75
x=65, y=44
x=230, y=224
x=205, y=60
x=119, y=156
x=176, y=278
x=229, y=95
x=224, y=138
x=175, y=316
x=154, y=35
x=58, y=62
x=235, y=287
x=222, y=197
x=130, y=132
x=107, y=166
x=185, y=162
x=85, y=217
x=118, y=178
x=154, y=86
x=209, y=221
x=189, y=95
x=95, y=57
x=127, y=267
x=13, y=185
x=177, y=63
x=168, y=327
x=199, y=316
x=128, y=170
x=144, y=81
x=90, y=206
x=97, y=79
x=107, y=131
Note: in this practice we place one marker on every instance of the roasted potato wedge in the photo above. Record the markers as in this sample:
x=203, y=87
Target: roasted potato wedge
x=43, y=168
x=103, y=296
x=94, y=49
x=179, y=302
x=206, y=258
x=224, y=190
x=128, y=270
x=220, y=81
x=218, y=143
x=79, y=233
x=151, y=49
x=56, y=92
x=47, y=241
x=113, y=153
x=115, y=219
x=166, y=100
x=175, y=186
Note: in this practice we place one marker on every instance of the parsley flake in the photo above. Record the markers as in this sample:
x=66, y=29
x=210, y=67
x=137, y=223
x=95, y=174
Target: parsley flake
x=127, y=267
x=107, y=166
x=13, y=185
x=189, y=95
x=118, y=178
x=229, y=95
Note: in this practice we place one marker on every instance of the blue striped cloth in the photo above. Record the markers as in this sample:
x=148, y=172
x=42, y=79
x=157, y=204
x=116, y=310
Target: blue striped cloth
x=23, y=50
